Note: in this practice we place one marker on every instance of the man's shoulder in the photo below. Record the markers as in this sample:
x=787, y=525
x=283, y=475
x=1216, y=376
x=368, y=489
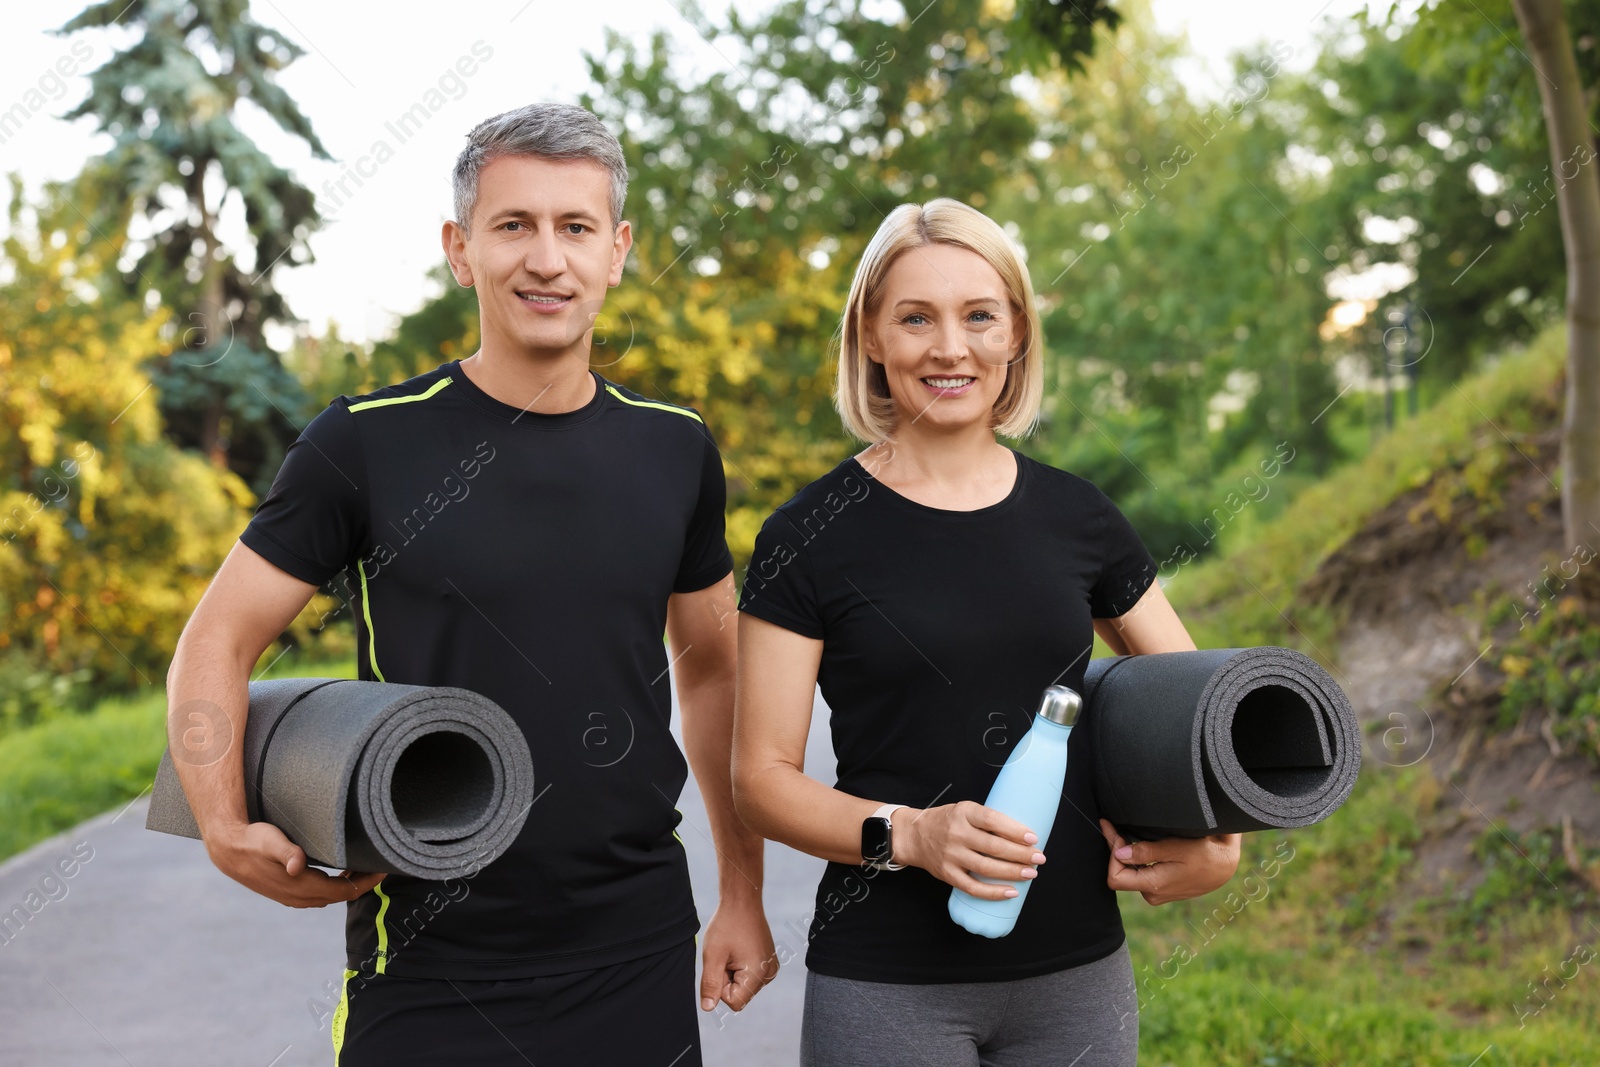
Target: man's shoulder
x=640, y=406
x=415, y=390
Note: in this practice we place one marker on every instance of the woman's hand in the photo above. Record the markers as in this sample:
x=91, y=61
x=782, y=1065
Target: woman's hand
x=953, y=842
x=1174, y=868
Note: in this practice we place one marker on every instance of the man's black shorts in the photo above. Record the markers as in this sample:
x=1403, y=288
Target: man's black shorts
x=640, y=1012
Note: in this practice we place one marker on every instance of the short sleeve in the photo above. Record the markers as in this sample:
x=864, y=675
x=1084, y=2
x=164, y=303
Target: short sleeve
x=705, y=549
x=313, y=521
x=779, y=585
x=1127, y=568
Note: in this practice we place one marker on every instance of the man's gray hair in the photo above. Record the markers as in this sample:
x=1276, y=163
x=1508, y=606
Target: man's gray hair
x=552, y=131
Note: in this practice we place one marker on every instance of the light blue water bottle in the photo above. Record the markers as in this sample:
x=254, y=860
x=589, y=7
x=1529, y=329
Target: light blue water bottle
x=1029, y=790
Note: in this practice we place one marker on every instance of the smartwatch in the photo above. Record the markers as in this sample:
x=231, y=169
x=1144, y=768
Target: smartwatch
x=877, y=839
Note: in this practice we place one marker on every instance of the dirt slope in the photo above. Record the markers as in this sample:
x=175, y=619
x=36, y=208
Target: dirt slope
x=1422, y=673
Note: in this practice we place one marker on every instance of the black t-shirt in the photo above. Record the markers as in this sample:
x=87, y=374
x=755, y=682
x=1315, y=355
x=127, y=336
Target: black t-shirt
x=528, y=558
x=941, y=630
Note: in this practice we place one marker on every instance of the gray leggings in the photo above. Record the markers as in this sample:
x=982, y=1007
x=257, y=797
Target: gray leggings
x=1085, y=1016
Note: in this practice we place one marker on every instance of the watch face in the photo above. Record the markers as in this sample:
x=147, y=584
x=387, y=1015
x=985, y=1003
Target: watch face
x=875, y=840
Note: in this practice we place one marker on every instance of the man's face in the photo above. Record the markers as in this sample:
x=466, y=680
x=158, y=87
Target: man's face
x=542, y=253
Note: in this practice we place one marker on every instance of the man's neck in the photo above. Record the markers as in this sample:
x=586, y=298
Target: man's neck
x=544, y=386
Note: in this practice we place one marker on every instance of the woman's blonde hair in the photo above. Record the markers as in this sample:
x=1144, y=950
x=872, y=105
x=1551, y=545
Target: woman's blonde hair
x=862, y=391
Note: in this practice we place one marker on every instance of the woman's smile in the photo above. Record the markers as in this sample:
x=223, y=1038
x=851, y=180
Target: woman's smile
x=948, y=386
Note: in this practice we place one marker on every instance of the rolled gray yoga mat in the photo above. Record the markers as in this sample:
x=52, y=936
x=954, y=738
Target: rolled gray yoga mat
x=431, y=782
x=1226, y=740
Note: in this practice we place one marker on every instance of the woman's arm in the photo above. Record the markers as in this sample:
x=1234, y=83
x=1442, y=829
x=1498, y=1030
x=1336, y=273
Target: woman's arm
x=1151, y=625
x=1174, y=868
x=776, y=798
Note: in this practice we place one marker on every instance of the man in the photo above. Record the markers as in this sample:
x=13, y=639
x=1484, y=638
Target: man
x=518, y=526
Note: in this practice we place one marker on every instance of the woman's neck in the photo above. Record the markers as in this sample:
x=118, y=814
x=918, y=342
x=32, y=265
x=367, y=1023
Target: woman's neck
x=956, y=471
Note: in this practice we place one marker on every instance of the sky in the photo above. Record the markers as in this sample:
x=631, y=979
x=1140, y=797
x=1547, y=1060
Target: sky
x=363, y=71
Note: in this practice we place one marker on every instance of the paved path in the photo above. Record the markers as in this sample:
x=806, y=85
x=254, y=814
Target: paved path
x=147, y=956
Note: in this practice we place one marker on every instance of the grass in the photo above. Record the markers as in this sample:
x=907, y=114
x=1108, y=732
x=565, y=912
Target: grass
x=1335, y=959
x=1548, y=665
x=71, y=767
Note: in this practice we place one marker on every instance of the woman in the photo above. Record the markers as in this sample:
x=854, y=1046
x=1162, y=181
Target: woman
x=935, y=584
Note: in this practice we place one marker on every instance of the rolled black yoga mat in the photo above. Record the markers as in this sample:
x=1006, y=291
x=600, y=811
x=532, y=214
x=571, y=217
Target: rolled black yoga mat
x=432, y=782
x=1225, y=740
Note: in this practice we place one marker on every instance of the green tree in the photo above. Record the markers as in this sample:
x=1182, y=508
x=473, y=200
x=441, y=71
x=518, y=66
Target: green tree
x=1555, y=63
x=169, y=102
x=1439, y=174
x=1181, y=267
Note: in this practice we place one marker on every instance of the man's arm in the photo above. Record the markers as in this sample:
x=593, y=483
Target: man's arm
x=1174, y=868
x=248, y=604
x=738, y=957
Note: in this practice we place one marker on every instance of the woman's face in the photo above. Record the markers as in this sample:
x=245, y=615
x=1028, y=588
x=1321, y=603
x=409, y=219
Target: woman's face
x=945, y=335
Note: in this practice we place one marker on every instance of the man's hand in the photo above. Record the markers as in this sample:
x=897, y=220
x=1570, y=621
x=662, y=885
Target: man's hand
x=258, y=856
x=738, y=957
x=1174, y=868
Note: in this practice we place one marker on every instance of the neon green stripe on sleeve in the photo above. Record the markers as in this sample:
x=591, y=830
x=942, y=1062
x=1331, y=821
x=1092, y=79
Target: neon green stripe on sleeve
x=649, y=404
x=365, y=404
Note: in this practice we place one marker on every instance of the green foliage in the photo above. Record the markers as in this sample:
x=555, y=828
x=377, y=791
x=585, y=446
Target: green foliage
x=168, y=102
x=1362, y=854
x=1048, y=32
x=1481, y=46
x=110, y=532
x=830, y=118
x=29, y=693
x=243, y=400
x=331, y=366
x=1164, y=386
x=1470, y=495
x=1355, y=955
x=1551, y=663
x=1444, y=174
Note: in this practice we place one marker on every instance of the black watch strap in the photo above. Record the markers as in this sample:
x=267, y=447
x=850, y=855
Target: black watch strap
x=877, y=839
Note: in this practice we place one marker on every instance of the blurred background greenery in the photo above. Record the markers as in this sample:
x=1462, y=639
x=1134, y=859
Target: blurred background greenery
x=1200, y=264
x=1355, y=268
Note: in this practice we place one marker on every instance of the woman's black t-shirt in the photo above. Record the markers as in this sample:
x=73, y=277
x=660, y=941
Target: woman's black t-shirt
x=941, y=630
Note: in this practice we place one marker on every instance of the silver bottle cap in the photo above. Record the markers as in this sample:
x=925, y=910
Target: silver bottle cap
x=1061, y=705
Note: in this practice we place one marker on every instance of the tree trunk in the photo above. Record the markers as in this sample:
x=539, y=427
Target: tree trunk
x=210, y=333
x=201, y=322
x=212, y=443
x=1573, y=163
